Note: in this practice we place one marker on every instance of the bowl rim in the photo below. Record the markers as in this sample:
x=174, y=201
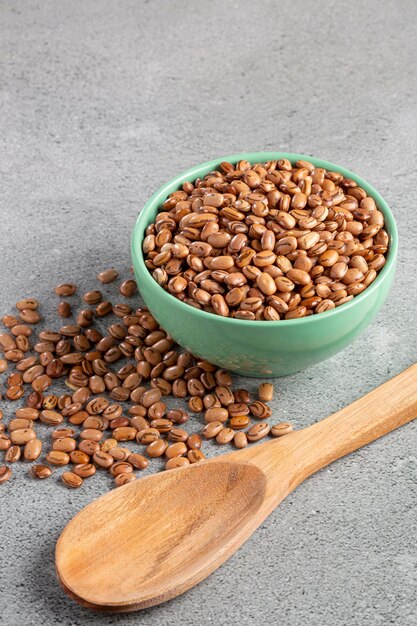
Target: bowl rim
x=254, y=157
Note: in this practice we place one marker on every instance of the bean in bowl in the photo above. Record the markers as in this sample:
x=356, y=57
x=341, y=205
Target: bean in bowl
x=267, y=241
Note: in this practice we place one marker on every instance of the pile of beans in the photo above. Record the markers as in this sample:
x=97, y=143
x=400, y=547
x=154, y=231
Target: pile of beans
x=107, y=407
x=267, y=241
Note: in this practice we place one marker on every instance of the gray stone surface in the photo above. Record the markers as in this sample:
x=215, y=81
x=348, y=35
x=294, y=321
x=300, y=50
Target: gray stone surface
x=102, y=101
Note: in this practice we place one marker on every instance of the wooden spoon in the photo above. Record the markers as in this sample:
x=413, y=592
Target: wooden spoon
x=154, y=538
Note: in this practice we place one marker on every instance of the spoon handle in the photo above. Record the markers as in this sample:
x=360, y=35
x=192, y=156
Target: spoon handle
x=289, y=460
x=384, y=409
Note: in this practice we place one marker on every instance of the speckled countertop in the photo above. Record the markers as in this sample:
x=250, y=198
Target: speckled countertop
x=101, y=102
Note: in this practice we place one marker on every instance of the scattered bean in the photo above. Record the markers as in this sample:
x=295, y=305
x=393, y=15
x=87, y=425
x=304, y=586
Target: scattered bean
x=64, y=309
x=85, y=360
x=65, y=289
x=225, y=436
x=283, y=428
x=266, y=392
x=258, y=431
x=40, y=471
x=72, y=480
x=123, y=479
x=12, y=454
x=56, y=457
x=240, y=440
x=5, y=473
x=178, y=461
x=32, y=450
x=107, y=276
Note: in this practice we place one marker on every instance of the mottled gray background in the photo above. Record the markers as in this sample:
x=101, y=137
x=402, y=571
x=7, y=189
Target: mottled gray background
x=102, y=101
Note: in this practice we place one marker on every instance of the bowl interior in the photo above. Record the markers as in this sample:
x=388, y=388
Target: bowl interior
x=152, y=207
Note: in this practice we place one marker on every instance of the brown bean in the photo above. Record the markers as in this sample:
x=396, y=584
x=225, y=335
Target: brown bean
x=107, y=276
x=175, y=462
x=156, y=448
x=92, y=297
x=283, y=428
x=138, y=461
x=121, y=467
x=299, y=277
x=219, y=304
x=27, y=413
x=5, y=473
x=100, y=423
x=225, y=395
x=27, y=303
x=150, y=397
x=40, y=472
x=216, y=414
x=12, y=454
x=5, y=442
x=92, y=434
x=240, y=440
x=72, y=480
x=103, y=459
x=52, y=418
x=66, y=444
x=65, y=289
x=266, y=284
x=60, y=433
x=178, y=416
x=127, y=433
x=195, y=387
x=64, y=309
x=50, y=402
x=140, y=423
x=22, y=436
x=128, y=288
x=84, y=470
x=225, y=435
x=178, y=434
x=147, y=436
x=195, y=456
x=176, y=449
x=56, y=457
x=260, y=410
x=212, y=429
x=239, y=421
x=88, y=446
x=9, y=321
x=120, y=453
x=108, y=444
x=194, y=441
x=266, y=392
x=7, y=343
x=162, y=425
x=32, y=450
x=258, y=431
x=338, y=270
x=238, y=408
x=14, y=355
x=123, y=479
x=19, y=423
x=41, y=383
x=242, y=395
x=29, y=316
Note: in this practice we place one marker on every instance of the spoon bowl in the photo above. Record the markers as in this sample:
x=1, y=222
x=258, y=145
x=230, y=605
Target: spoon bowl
x=154, y=524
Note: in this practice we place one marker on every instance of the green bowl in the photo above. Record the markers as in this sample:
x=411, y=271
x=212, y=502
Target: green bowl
x=261, y=348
